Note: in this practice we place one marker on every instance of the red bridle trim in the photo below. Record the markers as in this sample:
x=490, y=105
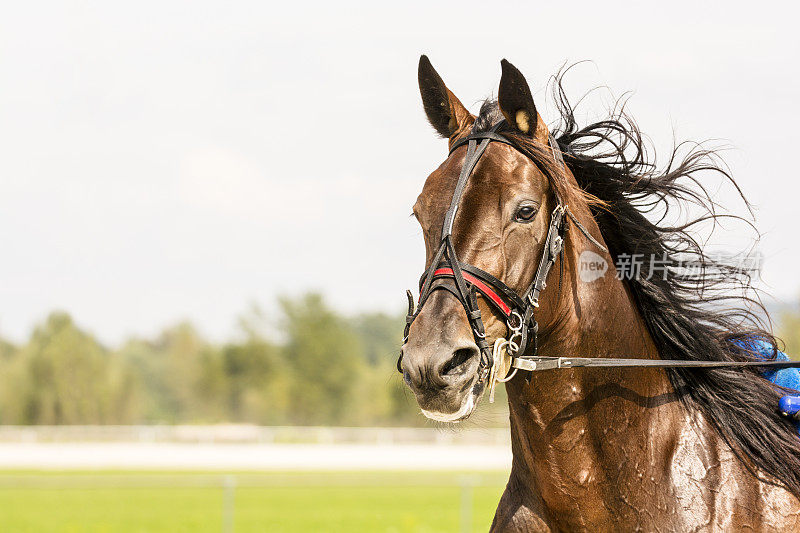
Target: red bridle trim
x=481, y=286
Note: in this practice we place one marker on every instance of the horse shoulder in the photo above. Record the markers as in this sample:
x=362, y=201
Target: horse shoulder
x=519, y=512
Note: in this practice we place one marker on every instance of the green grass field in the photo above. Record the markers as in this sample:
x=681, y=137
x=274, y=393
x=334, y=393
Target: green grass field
x=281, y=502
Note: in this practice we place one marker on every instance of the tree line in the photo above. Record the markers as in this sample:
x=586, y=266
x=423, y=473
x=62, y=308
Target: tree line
x=314, y=367
x=318, y=367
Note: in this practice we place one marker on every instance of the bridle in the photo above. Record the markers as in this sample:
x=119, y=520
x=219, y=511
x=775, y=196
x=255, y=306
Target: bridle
x=465, y=282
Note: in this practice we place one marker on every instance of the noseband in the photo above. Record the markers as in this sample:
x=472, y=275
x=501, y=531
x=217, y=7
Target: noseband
x=465, y=281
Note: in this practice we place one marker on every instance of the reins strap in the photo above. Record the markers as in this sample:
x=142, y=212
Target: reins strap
x=550, y=363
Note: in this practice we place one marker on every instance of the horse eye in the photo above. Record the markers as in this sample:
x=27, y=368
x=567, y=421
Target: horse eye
x=525, y=213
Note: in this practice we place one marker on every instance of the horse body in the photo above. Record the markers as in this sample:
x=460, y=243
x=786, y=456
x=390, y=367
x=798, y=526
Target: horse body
x=594, y=449
x=674, y=478
x=615, y=450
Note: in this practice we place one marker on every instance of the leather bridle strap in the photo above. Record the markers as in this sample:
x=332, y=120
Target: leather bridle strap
x=503, y=298
x=474, y=153
x=480, y=286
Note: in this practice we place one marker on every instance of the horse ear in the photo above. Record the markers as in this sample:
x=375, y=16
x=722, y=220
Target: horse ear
x=445, y=112
x=516, y=103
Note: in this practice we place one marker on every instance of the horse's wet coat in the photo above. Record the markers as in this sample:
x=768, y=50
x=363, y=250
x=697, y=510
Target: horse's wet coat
x=619, y=449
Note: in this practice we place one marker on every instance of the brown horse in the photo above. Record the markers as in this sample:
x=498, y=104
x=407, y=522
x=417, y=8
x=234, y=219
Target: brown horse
x=621, y=449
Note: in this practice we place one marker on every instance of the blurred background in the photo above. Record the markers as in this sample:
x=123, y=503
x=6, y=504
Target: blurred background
x=206, y=235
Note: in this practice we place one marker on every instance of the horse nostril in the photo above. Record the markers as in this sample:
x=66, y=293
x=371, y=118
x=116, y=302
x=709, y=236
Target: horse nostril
x=458, y=363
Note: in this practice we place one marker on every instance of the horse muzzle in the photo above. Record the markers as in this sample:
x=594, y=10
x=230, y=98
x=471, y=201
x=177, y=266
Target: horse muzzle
x=444, y=377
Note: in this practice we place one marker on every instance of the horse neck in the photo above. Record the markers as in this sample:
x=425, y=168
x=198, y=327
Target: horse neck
x=560, y=419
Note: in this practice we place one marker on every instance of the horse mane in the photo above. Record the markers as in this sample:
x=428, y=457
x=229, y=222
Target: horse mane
x=705, y=314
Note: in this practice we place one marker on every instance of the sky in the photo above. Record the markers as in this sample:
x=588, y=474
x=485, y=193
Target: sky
x=166, y=161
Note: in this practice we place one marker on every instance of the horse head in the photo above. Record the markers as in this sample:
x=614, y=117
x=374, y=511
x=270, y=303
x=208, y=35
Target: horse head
x=492, y=216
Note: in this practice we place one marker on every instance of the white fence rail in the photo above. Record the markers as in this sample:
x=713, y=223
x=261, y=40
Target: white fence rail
x=241, y=447
x=251, y=434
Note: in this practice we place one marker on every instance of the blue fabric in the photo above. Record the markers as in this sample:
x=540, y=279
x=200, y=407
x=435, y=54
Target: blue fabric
x=785, y=377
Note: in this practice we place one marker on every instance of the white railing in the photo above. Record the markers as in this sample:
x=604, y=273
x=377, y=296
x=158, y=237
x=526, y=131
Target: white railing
x=243, y=433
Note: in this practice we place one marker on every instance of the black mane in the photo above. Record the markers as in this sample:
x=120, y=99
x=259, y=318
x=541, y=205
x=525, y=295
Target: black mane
x=701, y=316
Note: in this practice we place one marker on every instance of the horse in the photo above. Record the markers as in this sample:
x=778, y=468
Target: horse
x=529, y=235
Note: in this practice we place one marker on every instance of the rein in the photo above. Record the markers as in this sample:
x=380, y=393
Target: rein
x=533, y=364
x=465, y=282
